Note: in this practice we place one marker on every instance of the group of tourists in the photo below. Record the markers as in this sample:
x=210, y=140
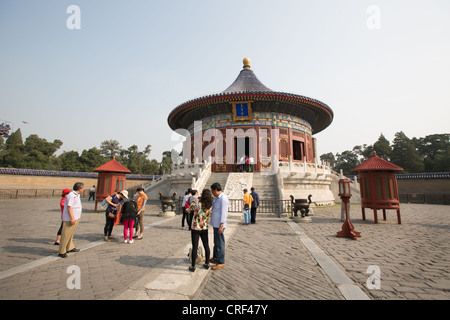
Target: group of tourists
x=120, y=210
x=129, y=212
x=211, y=208
x=245, y=163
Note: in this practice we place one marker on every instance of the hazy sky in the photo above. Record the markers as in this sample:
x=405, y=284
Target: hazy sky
x=132, y=62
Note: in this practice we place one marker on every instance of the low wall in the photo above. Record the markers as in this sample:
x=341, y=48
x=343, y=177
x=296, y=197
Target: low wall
x=18, y=179
x=420, y=185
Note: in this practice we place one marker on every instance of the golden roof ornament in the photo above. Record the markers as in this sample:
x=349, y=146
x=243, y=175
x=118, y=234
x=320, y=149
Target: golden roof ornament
x=246, y=62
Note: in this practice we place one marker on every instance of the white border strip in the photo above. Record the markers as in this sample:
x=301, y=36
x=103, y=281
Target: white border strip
x=42, y=261
x=349, y=290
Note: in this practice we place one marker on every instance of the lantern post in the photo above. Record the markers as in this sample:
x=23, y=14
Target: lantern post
x=348, y=231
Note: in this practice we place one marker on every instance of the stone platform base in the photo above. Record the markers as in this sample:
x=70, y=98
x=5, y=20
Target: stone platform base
x=167, y=214
x=302, y=219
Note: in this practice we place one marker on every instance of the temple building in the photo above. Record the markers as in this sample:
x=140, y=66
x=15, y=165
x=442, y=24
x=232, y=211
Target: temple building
x=250, y=120
x=249, y=135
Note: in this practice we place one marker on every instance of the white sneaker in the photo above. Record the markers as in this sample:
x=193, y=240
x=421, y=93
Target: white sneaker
x=131, y=241
x=125, y=241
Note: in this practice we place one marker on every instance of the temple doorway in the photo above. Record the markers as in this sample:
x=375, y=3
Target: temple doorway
x=298, y=148
x=241, y=148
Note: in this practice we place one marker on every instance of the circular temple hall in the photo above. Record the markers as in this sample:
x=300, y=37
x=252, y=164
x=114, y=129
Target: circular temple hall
x=250, y=121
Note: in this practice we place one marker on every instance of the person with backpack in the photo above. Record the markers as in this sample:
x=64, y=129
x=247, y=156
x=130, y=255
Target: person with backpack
x=129, y=214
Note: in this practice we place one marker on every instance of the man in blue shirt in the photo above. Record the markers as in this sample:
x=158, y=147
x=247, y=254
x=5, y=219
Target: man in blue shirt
x=219, y=222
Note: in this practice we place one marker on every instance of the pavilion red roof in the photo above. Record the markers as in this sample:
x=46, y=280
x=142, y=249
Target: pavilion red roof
x=375, y=163
x=112, y=166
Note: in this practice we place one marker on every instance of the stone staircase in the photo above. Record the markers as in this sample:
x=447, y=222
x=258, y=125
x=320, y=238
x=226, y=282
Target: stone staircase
x=265, y=186
x=216, y=177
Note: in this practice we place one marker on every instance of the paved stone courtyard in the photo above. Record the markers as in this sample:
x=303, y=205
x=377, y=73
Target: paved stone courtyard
x=265, y=261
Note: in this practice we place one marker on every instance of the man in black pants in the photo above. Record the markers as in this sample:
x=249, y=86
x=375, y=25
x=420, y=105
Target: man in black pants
x=255, y=205
x=186, y=197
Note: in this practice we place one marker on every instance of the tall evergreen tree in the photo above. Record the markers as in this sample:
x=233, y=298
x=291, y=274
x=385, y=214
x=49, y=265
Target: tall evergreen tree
x=382, y=147
x=110, y=148
x=13, y=152
x=405, y=154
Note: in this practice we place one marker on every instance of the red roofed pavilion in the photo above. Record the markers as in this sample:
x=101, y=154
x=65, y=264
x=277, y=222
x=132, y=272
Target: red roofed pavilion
x=378, y=186
x=111, y=178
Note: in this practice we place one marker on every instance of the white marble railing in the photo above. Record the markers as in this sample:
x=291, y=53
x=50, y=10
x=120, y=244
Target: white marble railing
x=202, y=177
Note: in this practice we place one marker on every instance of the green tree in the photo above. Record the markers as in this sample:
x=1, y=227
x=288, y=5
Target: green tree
x=136, y=161
x=13, y=151
x=434, y=150
x=346, y=161
x=328, y=157
x=151, y=167
x=364, y=152
x=39, y=153
x=166, y=163
x=90, y=159
x=382, y=147
x=110, y=148
x=405, y=154
x=2, y=143
x=69, y=161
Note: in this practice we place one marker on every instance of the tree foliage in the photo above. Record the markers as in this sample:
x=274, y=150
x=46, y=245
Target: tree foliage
x=428, y=154
x=38, y=153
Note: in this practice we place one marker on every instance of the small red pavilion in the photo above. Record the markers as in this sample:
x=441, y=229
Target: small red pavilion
x=378, y=186
x=111, y=178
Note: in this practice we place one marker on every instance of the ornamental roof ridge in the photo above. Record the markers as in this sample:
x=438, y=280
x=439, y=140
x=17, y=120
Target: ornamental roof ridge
x=112, y=166
x=276, y=93
x=375, y=163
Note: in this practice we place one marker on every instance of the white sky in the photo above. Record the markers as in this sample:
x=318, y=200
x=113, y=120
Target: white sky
x=132, y=62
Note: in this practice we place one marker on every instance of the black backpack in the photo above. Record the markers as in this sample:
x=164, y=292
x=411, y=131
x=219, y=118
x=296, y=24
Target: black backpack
x=134, y=203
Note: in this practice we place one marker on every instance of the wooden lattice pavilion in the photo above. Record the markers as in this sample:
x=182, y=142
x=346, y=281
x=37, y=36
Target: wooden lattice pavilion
x=111, y=178
x=378, y=186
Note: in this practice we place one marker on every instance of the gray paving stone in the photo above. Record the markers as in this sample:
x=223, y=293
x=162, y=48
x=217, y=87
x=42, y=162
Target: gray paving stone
x=264, y=261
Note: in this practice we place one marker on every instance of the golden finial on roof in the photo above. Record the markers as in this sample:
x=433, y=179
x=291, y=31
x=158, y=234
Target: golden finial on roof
x=246, y=62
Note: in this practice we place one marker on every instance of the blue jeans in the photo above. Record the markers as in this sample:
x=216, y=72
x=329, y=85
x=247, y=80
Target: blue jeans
x=219, y=246
x=247, y=216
